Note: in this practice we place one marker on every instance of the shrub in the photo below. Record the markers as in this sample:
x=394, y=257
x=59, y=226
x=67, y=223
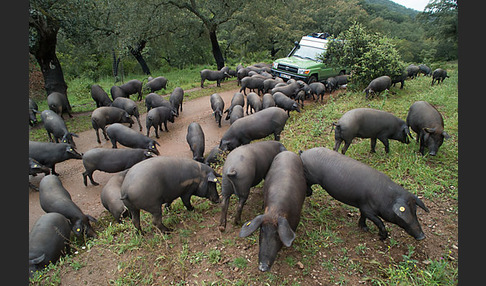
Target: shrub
x=367, y=55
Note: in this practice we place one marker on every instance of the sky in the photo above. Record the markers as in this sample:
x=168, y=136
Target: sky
x=418, y=5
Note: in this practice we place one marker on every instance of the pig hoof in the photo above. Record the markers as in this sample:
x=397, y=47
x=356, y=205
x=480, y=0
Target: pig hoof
x=364, y=228
x=222, y=228
x=383, y=236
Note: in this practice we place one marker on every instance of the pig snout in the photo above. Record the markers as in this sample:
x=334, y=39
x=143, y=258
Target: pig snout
x=420, y=236
x=263, y=267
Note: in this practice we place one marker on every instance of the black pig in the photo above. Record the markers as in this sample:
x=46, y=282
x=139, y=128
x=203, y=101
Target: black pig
x=237, y=99
x=100, y=96
x=244, y=168
x=111, y=161
x=153, y=100
x=102, y=116
x=176, y=98
x=255, y=126
x=427, y=122
x=286, y=103
x=55, y=125
x=378, y=85
x=370, y=123
x=131, y=87
x=49, y=154
x=195, y=139
x=130, y=138
x=59, y=103
x=33, y=110
x=110, y=196
x=129, y=106
x=217, y=105
x=284, y=194
x=253, y=102
x=155, y=84
x=48, y=240
x=218, y=76
x=159, y=180
x=252, y=83
x=439, y=75
x=358, y=185
x=53, y=197
x=158, y=115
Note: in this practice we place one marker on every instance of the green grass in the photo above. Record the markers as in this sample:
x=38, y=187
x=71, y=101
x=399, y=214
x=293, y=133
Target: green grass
x=329, y=244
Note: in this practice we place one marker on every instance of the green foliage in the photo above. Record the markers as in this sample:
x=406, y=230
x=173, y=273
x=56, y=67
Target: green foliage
x=368, y=55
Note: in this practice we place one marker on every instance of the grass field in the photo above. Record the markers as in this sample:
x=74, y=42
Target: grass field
x=329, y=248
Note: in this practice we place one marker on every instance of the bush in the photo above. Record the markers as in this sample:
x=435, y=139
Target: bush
x=367, y=55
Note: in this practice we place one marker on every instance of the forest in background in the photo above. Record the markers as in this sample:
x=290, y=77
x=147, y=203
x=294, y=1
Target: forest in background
x=90, y=37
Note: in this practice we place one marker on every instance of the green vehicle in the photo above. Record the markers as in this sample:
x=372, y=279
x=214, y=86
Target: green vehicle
x=303, y=63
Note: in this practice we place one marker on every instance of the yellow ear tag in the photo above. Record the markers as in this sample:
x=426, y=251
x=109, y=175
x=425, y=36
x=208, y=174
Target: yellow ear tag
x=78, y=229
x=215, y=180
x=248, y=223
x=402, y=209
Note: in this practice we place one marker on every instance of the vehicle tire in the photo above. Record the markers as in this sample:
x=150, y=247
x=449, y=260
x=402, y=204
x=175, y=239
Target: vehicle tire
x=312, y=78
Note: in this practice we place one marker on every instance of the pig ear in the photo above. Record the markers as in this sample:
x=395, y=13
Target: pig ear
x=91, y=218
x=212, y=177
x=285, y=232
x=249, y=227
x=429, y=130
x=38, y=259
x=148, y=153
x=73, y=134
x=420, y=204
x=446, y=136
x=407, y=132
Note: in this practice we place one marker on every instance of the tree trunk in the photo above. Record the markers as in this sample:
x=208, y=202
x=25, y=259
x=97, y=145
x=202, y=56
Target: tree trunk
x=137, y=53
x=45, y=54
x=218, y=56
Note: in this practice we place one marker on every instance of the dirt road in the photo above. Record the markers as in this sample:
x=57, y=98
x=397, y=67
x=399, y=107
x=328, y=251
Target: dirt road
x=172, y=143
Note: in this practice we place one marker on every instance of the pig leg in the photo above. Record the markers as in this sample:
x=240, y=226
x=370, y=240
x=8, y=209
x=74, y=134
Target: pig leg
x=113, y=143
x=90, y=175
x=165, y=125
x=375, y=219
x=97, y=136
x=157, y=221
x=139, y=125
x=186, y=200
x=50, y=138
x=337, y=144
x=241, y=203
x=136, y=219
x=224, y=212
x=156, y=131
x=422, y=143
x=346, y=146
x=373, y=145
x=53, y=171
x=103, y=130
x=386, y=143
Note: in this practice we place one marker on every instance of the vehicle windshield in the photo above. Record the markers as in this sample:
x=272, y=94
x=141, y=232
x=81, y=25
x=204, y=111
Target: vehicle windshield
x=307, y=52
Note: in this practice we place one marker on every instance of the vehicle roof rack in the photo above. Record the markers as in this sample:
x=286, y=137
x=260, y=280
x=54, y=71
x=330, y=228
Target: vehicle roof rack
x=320, y=35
